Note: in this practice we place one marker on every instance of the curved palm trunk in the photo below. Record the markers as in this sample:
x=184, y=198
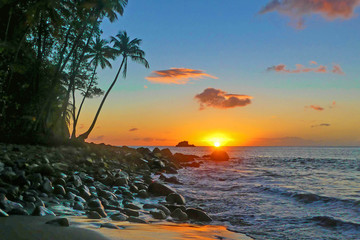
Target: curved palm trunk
x=73, y=134
x=87, y=133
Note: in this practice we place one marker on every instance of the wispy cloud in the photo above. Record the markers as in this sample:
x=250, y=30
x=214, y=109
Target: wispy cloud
x=150, y=139
x=133, y=129
x=177, y=76
x=298, y=9
x=315, y=107
x=321, y=125
x=281, y=68
x=97, y=138
x=217, y=98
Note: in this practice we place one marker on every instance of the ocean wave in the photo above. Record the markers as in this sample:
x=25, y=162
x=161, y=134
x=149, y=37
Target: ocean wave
x=331, y=222
x=310, y=197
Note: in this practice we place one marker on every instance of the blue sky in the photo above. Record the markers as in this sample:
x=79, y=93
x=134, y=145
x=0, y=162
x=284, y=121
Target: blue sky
x=232, y=41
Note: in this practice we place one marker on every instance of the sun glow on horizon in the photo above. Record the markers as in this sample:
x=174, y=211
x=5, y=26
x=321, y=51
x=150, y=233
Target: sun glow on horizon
x=217, y=144
x=218, y=140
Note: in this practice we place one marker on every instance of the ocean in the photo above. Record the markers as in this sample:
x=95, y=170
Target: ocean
x=278, y=192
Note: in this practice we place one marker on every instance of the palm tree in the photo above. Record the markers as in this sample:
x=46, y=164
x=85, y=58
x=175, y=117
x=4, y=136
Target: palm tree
x=127, y=49
x=99, y=55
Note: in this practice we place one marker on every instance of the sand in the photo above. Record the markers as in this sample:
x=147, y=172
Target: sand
x=34, y=228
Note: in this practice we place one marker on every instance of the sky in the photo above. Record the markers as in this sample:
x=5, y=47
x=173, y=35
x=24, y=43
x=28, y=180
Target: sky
x=244, y=73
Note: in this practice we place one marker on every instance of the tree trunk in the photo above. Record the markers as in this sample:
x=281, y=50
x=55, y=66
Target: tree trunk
x=73, y=134
x=87, y=133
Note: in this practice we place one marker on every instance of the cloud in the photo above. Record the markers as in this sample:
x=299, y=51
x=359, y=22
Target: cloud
x=313, y=62
x=145, y=86
x=321, y=125
x=333, y=104
x=133, y=129
x=301, y=69
x=298, y=9
x=337, y=69
x=315, y=107
x=217, y=98
x=177, y=76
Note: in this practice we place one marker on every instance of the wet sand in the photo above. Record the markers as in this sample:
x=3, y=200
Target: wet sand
x=34, y=228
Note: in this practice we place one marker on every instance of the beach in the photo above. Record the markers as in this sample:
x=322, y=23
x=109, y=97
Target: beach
x=98, y=192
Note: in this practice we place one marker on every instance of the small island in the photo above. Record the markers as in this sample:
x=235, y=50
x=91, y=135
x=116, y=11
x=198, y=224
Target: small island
x=185, y=144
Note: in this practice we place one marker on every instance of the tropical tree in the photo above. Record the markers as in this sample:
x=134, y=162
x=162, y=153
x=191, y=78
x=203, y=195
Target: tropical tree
x=99, y=54
x=126, y=48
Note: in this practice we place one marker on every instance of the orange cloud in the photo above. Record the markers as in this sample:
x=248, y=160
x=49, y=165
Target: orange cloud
x=177, y=76
x=301, y=69
x=133, y=129
x=315, y=107
x=337, y=69
x=321, y=125
x=217, y=98
x=297, y=9
x=313, y=62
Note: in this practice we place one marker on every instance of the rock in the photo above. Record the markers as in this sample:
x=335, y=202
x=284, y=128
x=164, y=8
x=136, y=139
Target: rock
x=136, y=220
x=80, y=199
x=121, y=181
x=172, y=179
x=175, y=198
x=18, y=211
x=109, y=225
x=85, y=192
x=185, y=144
x=60, y=181
x=64, y=222
x=95, y=203
x=160, y=189
x=131, y=206
x=119, y=217
x=70, y=196
x=219, y=155
x=93, y=215
x=164, y=209
x=179, y=157
x=29, y=198
x=58, y=189
x=198, y=215
x=78, y=206
x=158, y=214
x=166, y=153
x=131, y=212
x=42, y=211
x=47, y=186
x=3, y=214
x=101, y=211
x=142, y=194
x=76, y=180
x=178, y=214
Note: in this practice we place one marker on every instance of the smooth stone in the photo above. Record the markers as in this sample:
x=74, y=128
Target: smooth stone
x=85, y=192
x=58, y=189
x=119, y=217
x=121, y=181
x=178, y=214
x=175, y=198
x=80, y=199
x=60, y=181
x=76, y=180
x=3, y=214
x=198, y=215
x=47, y=186
x=64, y=222
x=95, y=203
x=101, y=211
x=142, y=194
x=42, y=211
x=93, y=215
x=78, y=206
x=131, y=212
x=18, y=211
x=132, y=206
x=164, y=209
x=109, y=225
x=29, y=199
x=219, y=155
x=160, y=189
x=158, y=214
x=136, y=220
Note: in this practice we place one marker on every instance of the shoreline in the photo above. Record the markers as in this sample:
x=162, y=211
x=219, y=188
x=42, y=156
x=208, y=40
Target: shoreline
x=98, y=184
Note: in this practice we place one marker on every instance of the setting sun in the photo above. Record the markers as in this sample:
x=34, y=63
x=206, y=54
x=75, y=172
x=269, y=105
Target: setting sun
x=217, y=144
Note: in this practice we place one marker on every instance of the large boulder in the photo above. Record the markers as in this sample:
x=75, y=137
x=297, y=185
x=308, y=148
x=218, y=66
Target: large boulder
x=198, y=215
x=160, y=189
x=219, y=155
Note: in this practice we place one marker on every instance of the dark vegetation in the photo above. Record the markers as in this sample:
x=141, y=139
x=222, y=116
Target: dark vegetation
x=50, y=51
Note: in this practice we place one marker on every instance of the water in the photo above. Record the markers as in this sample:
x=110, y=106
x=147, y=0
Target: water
x=279, y=192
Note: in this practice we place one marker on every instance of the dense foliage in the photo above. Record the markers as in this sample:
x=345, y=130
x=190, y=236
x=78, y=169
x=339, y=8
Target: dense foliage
x=49, y=51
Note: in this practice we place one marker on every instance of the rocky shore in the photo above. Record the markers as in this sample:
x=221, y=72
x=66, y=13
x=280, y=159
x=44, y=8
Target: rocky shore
x=97, y=182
